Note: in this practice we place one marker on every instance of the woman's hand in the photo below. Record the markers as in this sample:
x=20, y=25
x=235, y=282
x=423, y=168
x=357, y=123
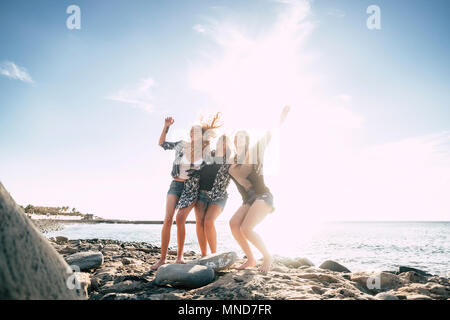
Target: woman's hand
x=168, y=122
x=284, y=114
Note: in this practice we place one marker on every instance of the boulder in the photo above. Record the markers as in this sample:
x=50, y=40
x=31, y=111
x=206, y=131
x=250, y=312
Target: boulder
x=30, y=268
x=85, y=260
x=217, y=261
x=333, y=266
x=184, y=275
x=402, y=269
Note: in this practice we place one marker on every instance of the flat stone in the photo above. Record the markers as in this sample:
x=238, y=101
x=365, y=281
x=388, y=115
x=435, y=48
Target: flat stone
x=85, y=260
x=333, y=266
x=184, y=275
x=217, y=261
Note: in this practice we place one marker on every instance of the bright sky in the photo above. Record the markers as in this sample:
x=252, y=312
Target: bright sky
x=368, y=137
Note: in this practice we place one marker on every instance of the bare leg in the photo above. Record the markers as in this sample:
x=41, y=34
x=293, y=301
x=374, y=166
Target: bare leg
x=200, y=227
x=257, y=212
x=211, y=215
x=165, y=233
x=235, y=225
x=182, y=215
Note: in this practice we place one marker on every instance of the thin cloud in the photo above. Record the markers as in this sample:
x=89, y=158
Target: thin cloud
x=11, y=70
x=139, y=95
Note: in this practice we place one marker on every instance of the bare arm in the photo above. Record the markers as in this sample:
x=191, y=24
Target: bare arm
x=167, y=123
x=264, y=141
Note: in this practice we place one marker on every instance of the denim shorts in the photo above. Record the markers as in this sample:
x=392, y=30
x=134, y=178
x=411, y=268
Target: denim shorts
x=203, y=197
x=267, y=197
x=176, y=188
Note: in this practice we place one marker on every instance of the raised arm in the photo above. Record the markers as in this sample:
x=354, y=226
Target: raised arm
x=167, y=123
x=264, y=141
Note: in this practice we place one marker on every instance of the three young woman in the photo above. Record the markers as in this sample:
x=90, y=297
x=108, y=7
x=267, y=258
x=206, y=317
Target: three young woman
x=203, y=185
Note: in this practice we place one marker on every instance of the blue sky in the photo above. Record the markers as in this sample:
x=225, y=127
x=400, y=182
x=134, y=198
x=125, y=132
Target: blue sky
x=79, y=123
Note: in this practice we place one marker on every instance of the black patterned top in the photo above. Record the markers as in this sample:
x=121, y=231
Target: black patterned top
x=218, y=189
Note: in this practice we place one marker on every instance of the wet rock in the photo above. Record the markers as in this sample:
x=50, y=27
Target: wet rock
x=85, y=260
x=184, y=275
x=218, y=261
x=333, y=266
x=402, y=269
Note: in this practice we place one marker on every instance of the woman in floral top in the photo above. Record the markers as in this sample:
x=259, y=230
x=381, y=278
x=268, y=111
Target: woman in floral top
x=188, y=156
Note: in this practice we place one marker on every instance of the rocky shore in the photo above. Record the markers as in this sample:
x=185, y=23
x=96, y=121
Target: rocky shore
x=113, y=270
x=48, y=225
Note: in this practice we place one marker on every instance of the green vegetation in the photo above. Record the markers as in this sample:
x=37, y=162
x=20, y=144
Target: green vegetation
x=64, y=211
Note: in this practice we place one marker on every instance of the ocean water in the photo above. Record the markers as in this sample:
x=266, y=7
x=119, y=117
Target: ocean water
x=360, y=246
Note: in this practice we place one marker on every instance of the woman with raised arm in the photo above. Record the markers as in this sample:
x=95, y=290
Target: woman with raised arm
x=188, y=155
x=246, y=172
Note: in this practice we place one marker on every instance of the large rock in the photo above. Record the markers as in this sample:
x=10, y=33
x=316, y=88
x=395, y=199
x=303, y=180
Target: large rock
x=30, y=268
x=217, y=261
x=402, y=269
x=333, y=266
x=85, y=260
x=184, y=275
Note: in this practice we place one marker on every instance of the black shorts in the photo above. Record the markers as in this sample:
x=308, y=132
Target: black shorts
x=252, y=196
